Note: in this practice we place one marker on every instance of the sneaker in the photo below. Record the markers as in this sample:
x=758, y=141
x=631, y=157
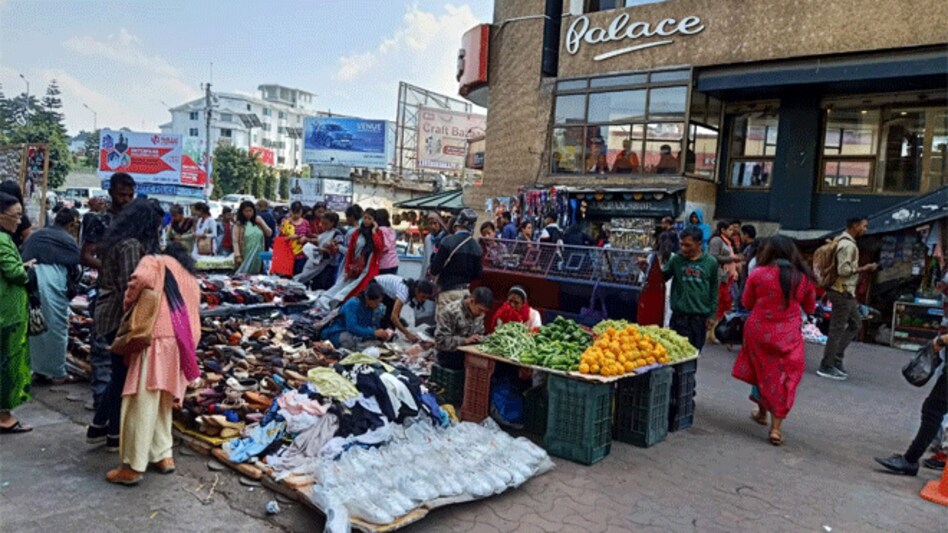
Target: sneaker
x=842, y=370
x=831, y=373
x=112, y=444
x=96, y=435
x=935, y=462
x=898, y=465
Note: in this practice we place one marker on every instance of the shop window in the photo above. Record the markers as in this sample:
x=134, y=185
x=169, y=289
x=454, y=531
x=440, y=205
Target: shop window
x=702, y=153
x=570, y=108
x=617, y=106
x=667, y=103
x=663, y=148
x=880, y=147
x=567, y=150
x=753, y=146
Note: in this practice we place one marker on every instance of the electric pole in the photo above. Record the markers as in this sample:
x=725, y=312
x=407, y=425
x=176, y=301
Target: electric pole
x=207, y=140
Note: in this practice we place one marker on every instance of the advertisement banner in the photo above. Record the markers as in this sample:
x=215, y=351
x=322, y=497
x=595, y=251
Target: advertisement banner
x=337, y=187
x=443, y=135
x=335, y=202
x=353, y=142
x=306, y=190
x=158, y=189
x=265, y=155
x=148, y=157
x=193, y=159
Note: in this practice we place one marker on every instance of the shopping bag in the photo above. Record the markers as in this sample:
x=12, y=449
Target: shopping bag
x=922, y=366
x=282, y=262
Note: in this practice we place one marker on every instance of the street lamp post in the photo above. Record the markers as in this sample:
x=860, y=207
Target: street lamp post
x=95, y=118
x=26, y=102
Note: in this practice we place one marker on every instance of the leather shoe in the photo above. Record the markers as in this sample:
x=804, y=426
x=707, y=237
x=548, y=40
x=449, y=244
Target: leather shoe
x=164, y=466
x=898, y=465
x=123, y=475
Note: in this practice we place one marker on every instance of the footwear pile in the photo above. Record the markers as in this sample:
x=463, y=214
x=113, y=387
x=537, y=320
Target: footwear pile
x=217, y=290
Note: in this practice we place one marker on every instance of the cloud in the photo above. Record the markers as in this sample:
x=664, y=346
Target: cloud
x=423, y=48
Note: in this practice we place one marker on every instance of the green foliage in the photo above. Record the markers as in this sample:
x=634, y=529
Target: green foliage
x=284, y=187
x=27, y=120
x=236, y=171
x=91, y=150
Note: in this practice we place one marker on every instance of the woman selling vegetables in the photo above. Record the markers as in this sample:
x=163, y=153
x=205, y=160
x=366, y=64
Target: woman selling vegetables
x=517, y=309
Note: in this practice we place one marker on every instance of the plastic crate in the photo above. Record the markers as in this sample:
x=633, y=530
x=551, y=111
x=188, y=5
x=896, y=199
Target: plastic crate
x=536, y=403
x=642, y=408
x=579, y=420
x=449, y=384
x=681, y=409
x=476, y=402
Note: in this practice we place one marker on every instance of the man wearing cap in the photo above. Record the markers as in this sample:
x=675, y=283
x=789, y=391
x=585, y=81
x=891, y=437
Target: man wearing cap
x=458, y=261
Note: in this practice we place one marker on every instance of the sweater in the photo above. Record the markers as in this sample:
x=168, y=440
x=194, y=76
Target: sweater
x=695, y=290
x=356, y=319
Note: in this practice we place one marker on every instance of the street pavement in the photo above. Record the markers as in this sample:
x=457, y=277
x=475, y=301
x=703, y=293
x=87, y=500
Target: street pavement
x=720, y=475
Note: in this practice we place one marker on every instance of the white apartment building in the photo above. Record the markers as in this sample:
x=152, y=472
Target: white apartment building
x=273, y=121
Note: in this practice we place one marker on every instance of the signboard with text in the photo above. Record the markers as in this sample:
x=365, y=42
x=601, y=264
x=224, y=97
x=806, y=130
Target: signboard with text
x=147, y=157
x=352, y=142
x=265, y=155
x=306, y=190
x=193, y=159
x=443, y=136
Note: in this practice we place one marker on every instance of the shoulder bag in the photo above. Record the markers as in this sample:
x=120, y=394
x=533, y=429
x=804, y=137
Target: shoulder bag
x=136, y=331
x=434, y=279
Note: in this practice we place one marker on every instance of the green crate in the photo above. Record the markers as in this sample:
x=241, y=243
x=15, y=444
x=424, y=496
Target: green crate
x=642, y=402
x=579, y=420
x=448, y=383
x=536, y=404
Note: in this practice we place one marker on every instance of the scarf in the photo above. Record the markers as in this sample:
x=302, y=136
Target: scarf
x=51, y=246
x=181, y=323
x=507, y=314
x=185, y=226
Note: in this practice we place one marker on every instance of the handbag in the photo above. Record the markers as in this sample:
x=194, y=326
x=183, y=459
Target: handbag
x=282, y=261
x=920, y=369
x=731, y=329
x=137, y=328
x=36, y=323
x=205, y=246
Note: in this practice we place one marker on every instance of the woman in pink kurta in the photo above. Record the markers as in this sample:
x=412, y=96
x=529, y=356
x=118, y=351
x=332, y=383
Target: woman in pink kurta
x=773, y=357
x=159, y=376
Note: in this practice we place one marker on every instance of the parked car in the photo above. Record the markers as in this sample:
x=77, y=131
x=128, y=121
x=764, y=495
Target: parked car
x=333, y=136
x=233, y=200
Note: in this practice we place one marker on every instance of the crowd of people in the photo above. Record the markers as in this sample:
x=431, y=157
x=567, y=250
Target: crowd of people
x=146, y=306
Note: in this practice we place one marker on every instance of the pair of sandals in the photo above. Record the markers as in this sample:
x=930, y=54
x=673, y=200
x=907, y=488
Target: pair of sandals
x=17, y=427
x=775, y=437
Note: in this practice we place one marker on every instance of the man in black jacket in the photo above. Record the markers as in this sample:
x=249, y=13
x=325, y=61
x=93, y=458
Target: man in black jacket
x=459, y=260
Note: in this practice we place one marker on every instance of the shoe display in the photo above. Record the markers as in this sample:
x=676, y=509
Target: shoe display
x=898, y=465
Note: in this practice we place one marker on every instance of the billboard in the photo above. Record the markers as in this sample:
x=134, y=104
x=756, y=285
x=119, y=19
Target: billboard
x=265, y=155
x=353, y=142
x=306, y=190
x=443, y=135
x=148, y=157
x=193, y=159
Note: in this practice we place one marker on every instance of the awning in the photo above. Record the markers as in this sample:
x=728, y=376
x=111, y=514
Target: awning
x=443, y=201
x=911, y=213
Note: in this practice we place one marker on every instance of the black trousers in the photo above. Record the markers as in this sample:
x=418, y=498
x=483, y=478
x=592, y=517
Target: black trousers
x=934, y=409
x=693, y=327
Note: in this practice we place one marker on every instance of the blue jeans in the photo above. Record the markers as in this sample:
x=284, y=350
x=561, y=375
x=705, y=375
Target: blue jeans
x=101, y=368
x=109, y=412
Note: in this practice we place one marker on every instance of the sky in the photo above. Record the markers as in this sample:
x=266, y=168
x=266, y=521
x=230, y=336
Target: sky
x=131, y=60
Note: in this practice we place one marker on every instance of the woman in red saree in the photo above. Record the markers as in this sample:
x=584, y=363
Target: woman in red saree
x=773, y=356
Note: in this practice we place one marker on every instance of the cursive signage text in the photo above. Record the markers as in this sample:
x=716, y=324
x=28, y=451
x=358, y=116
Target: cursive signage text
x=620, y=29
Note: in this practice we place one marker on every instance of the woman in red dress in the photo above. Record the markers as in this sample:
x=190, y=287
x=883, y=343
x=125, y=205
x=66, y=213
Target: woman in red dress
x=773, y=355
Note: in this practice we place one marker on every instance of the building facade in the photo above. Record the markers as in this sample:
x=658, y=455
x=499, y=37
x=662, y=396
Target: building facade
x=794, y=115
x=271, y=123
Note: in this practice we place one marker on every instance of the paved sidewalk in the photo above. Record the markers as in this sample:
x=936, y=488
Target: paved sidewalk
x=720, y=475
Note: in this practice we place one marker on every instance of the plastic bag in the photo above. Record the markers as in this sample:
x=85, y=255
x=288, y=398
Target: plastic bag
x=920, y=369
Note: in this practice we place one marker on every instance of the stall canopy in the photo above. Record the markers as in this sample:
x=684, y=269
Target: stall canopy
x=443, y=201
x=913, y=212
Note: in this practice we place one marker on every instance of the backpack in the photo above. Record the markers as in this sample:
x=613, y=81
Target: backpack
x=824, y=264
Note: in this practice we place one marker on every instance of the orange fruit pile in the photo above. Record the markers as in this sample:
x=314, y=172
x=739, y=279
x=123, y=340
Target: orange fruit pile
x=615, y=353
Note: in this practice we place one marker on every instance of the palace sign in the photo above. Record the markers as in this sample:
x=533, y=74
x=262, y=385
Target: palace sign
x=623, y=29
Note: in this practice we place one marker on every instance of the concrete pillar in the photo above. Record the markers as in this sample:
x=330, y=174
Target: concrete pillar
x=795, y=164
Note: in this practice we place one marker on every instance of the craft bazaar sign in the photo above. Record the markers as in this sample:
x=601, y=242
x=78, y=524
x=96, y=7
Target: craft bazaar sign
x=620, y=30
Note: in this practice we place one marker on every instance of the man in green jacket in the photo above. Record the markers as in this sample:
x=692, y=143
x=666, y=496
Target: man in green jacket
x=694, y=295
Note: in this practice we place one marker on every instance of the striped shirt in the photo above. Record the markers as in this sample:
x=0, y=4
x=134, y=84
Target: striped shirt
x=118, y=264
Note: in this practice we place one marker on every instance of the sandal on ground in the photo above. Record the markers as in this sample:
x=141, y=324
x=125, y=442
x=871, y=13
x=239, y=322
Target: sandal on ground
x=68, y=380
x=776, y=437
x=759, y=416
x=17, y=427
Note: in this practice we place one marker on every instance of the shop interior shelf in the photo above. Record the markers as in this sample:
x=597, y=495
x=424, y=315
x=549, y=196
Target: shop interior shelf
x=475, y=406
x=579, y=420
x=642, y=408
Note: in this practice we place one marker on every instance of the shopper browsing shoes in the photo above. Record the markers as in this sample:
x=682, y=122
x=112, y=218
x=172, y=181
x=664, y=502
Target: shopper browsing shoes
x=158, y=376
x=844, y=320
x=934, y=409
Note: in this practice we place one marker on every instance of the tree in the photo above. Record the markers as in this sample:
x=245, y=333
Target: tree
x=234, y=171
x=24, y=120
x=90, y=152
x=269, y=178
x=284, y=188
